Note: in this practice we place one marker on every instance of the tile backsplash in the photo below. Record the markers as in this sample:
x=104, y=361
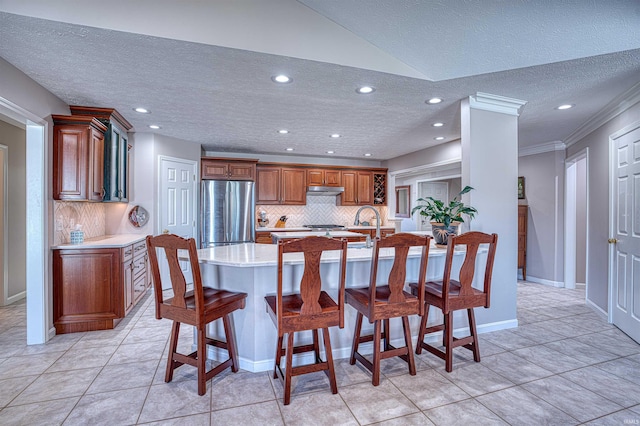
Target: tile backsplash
x=67, y=214
x=319, y=210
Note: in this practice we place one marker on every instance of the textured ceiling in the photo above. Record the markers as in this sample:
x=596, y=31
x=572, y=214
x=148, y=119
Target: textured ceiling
x=223, y=97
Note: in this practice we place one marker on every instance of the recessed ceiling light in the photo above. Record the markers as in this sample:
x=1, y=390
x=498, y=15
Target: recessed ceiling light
x=283, y=131
x=329, y=152
x=439, y=138
x=367, y=155
x=281, y=78
x=364, y=90
x=289, y=149
x=154, y=126
x=565, y=106
x=433, y=101
x=142, y=110
x=335, y=135
x=438, y=124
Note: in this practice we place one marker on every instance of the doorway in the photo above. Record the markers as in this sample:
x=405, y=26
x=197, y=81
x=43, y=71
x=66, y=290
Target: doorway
x=37, y=276
x=576, y=219
x=177, y=205
x=4, y=234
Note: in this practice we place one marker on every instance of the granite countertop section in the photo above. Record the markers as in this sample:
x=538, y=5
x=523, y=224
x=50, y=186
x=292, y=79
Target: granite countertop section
x=299, y=234
x=105, y=241
x=249, y=255
x=302, y=228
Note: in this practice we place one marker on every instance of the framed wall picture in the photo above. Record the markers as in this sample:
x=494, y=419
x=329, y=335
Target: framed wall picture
x=521, y=195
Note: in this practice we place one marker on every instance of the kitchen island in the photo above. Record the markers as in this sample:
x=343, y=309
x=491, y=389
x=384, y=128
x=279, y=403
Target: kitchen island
x=252, y=268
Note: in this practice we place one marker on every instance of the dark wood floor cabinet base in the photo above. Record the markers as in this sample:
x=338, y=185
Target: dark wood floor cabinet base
x=93, y=289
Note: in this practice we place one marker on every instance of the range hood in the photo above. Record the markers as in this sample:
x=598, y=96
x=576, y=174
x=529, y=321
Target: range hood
x=325, y=190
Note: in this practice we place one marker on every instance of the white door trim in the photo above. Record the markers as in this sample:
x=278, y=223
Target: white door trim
x=5, y=226
x=612, y=199
x=570, y=213
x=37, y=256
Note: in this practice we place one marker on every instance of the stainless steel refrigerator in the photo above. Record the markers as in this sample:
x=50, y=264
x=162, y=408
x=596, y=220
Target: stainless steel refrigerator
x=228, y=212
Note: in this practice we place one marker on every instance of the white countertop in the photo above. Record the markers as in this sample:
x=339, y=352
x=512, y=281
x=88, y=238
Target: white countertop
x=105, y=241
x=303, y=228
x=251, y=255
x=302, y=234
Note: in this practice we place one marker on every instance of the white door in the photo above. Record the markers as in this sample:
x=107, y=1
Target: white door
x=437, y=190
x=625, y=270
x=177, y=205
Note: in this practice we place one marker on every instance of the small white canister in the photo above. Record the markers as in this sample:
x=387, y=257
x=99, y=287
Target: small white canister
x=77, y=235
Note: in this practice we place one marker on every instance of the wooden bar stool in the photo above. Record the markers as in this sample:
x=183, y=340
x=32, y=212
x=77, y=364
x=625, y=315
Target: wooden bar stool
x=380, y=303
x=310, y=309
x=451, y=295
x=197, y=307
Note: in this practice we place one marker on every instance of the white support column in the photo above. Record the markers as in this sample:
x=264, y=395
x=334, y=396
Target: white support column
x=490, y=165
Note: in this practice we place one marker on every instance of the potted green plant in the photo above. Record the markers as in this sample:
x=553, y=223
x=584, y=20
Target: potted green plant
x=445, y=218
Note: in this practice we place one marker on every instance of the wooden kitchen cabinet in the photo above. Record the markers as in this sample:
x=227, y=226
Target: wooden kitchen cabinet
x=324, y=177
x=78, y=158
x=281, y=185
x=94, y=288
x=116, y=150
x=384, y=231
x=228, y=168
x=358, y=188
x=263, y=237
x=523, y=214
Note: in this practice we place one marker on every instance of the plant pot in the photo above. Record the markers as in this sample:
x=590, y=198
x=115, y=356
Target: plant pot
x=441, y=233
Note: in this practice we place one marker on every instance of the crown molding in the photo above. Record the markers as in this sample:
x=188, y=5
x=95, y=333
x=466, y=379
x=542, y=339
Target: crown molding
x=428, y=168
x=495, y=103
x=542, y=148
x=611, y=110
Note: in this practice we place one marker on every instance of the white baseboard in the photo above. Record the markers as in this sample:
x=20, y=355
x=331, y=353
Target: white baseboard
x=581, y=285
x=342, y=353
x=537, y=280
x=598, y=310
x=15, y=298
x=52, y=332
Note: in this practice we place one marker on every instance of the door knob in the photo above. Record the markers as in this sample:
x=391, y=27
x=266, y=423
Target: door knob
x=165, y=231
x=612, y=241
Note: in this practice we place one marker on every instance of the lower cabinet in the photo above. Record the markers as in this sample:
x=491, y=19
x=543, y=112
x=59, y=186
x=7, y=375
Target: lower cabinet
x=372, y=232
x=94, y=288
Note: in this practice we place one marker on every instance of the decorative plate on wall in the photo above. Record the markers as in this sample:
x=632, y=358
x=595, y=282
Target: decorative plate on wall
x=138, y=216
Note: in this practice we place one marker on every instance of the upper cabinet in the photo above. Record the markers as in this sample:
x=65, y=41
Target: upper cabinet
x=78, y=158
x=358, y=188
x=324, y=177
x=281, y=185
x=116, y=150
x=228, y=168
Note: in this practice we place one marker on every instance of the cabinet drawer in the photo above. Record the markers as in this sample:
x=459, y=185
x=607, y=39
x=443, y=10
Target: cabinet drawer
x=139, y=266
x=139, y=286
x=127, y=253
x=139, y=247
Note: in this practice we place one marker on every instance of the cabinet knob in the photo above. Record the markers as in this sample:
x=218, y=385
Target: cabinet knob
x=612, y=241
x=165, y=231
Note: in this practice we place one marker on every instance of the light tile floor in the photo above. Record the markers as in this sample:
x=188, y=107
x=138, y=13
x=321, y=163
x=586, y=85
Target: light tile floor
x=563, y=365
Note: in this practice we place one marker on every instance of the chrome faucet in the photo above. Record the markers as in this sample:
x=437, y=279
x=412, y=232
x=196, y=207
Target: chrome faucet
x=357, y=221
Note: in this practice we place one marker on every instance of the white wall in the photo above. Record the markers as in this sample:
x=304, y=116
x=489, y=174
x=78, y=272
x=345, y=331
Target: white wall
x=490, y=165
x=15, y=139
x=143, y=173
x=38, y=104
x=598, y=144
x=544, y=191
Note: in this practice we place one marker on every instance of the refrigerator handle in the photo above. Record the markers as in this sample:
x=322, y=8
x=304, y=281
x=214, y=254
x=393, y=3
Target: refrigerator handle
x=227, y=213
